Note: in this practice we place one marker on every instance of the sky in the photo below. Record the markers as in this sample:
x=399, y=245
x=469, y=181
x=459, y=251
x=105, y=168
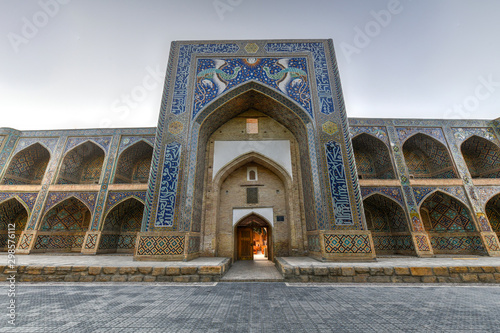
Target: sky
x=67, y=64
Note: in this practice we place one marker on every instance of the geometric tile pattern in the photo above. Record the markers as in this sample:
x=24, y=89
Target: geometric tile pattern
x=125, y=217
x=287, y=75
x=338, y=184
x=313, y=243
x=392, y=243
x=168, y=188
x=82, y=165
x=88, y=198
x=126, y=242
x=493, y=212
x=70, y=215
x=406, y=132
x=58, y=242
x=384, y=215
x=454, y=243
x=492, y=243
x=108, y=242
x=392, y=192
x=422, y=243
x=461, y=134
x=378, y=132
x=372, y=158
x=426, y=157
x=103, y=142
x=347, y=243
x=447, y=214
x=161, y=245
x=25, y=241
x=456, y=191
x=134, y=163
x=116, y=197
x=28, y=166
x=482, y=157
x=91, y=241
x=22, y=143
x=127, y=141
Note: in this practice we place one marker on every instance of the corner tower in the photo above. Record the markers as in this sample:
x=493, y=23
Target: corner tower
x=253, y=134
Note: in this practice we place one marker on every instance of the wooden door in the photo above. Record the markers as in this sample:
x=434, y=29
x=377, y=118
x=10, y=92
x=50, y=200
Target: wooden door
x=245, y=239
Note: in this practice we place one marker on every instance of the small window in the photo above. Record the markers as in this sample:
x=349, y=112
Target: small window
x=252, y=195
x=252, y=126
x=251, y=173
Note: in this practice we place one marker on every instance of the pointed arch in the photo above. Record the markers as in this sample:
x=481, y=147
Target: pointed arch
x=13, y=211
x=71, y=214
x=446, y=213
x=389, y=224
x=373, y=160
x=492, y=209
x=121, y=225
x=28, y=166
x=133, y=163
x=82, y=164
x=482, y=157
x=426, y=157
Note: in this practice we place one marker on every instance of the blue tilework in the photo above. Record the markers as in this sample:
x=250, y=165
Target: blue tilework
x=168, y=186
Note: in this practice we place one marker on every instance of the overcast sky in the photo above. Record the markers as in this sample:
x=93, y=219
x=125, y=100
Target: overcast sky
x=72, y=65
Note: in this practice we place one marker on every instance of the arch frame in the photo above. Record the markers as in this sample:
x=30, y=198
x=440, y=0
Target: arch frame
x=270, y=235
x=3, y=172
x=47, y=210
x=116, y=204
x=392, y=159
x=117, y=159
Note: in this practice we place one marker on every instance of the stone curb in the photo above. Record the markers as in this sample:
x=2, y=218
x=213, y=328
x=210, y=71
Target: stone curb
x=350, y=274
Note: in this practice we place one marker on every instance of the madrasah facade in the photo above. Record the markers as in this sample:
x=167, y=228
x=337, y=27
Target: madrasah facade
x=254, y=155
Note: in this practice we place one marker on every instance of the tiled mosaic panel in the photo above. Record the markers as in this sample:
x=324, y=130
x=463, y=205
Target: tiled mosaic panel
x=102, y=142
x=447, y=213
x=425, y=157
x=91, y=241
x=421, y=192
x=82, y=165
x=53, y=198
x=194, y=244
x=372, y=158
x=383, y=214
x=117, y=242
x=168, y=186
x=70, y=215
x=116, y=197
x=133, y=164
x=347, y=244
x=486, y=193
x=456, y=243
x=126, y=216
x=313, y=243
x=482, y=157
x=12, y=211
x=378, y=132
x=493, y=213
x=127, y=141
x=461, y=134
x=392, y=243
x=338, y=184
x=406, y=132
x=28, y=166
x=48, y=143
x=392, y=192
x=25, y=241
x=320, y=69
x=422, y=243
x=161, y=245
x=29, y=198
x=58, y=242
x=287, y=75
x=492, y=243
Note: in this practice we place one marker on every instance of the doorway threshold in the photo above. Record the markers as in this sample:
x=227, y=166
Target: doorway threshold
x=262, y=270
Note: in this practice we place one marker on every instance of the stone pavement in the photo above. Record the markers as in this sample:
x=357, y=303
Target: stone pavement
x=252, y=307
x=261, y=270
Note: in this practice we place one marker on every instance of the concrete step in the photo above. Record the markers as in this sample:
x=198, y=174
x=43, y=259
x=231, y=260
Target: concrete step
x=252, y=271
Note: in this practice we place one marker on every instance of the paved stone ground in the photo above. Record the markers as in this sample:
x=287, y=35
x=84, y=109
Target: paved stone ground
x=253, y=307
x=261, y=270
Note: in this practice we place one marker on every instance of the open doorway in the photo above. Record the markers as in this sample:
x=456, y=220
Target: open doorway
x=253, y=239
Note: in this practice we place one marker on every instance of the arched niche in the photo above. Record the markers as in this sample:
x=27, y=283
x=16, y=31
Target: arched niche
x=373, y=160
x=121, y=225
x=426, y=157
x=134, y=163
x=63, y=227
x=28, y=166
x=388, y=222
x=482, y=157
x=450, y=225
x=82, y=165
x=13, y=215
x=492, y=209
x=253, y=238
